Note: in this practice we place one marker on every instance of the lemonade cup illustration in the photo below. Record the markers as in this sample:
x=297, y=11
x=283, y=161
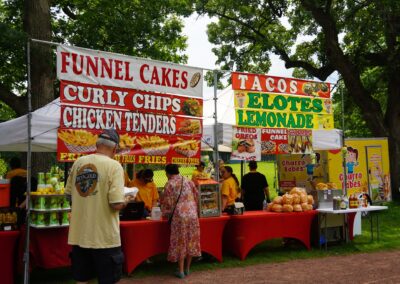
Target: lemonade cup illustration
x=240, y=98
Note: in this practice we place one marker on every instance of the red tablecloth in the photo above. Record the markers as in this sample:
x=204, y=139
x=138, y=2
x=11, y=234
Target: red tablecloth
x=8, y=244
x=245, y=231
x=48, y=247
x=143, y=239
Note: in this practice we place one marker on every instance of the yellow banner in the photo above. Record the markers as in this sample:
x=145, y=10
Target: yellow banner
x=367, y=168
x=259, y=118
x=282, y=111
x=282, y=103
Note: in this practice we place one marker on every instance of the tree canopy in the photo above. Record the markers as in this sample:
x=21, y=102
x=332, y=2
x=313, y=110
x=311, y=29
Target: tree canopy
x=358, y=39
x=150, y=29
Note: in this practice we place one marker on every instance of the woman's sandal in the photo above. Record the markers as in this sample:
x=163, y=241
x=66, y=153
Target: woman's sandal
x=180, y=275
x=187, y=272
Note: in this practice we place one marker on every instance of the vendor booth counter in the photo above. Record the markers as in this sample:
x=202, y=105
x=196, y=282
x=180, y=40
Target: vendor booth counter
x=48, y=247
x=8, y=245
x=143, y=239
x=243, y=232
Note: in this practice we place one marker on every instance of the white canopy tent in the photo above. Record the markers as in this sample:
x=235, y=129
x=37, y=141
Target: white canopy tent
x=45, y=122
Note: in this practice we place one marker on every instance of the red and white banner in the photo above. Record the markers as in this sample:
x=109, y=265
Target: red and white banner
x=272, y=84
x=111, y=69
x=72, y=93
x=274, y=141
x=90, y=118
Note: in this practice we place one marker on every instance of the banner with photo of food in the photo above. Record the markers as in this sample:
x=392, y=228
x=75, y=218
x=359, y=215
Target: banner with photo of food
x=274, y=141
x=90, y=118
x=300, y=141
x=266, y=83
x=133, y=148
x=110, y=69
x=246, y=144
x=72, y=93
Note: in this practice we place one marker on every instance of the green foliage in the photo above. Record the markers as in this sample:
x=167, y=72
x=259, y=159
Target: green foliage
x=12, y=46
x=356, y=38
x=6, y=113
x=149, y=29
x=142, y=28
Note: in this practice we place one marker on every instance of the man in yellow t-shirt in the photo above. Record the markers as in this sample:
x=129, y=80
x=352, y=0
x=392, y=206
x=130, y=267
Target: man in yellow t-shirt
x=147, y=189
x=96, y=186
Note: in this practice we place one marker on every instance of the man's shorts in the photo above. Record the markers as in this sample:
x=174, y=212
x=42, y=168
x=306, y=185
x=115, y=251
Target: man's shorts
x=105, y=264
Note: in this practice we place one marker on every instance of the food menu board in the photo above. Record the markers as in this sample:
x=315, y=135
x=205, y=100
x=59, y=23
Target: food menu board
x=250, y=143
x=155, y=127
x=138, y=149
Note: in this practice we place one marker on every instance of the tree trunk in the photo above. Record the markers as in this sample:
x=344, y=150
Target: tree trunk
x=37, y=24
x=394, y=155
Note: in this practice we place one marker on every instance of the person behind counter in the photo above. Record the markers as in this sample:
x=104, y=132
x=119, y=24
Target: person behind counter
x=199, y=173
x=180, y=199
x=255, y=188
x=147, y=189
x=16, y=169
x=18, y=184
x=96, y=186
x=229, y=189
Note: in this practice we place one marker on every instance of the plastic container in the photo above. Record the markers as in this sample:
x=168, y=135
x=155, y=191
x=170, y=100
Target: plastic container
x=156, y=213
x=4, y=193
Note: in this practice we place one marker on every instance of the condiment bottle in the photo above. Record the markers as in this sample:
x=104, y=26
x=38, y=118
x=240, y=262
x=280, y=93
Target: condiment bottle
x=343, y=203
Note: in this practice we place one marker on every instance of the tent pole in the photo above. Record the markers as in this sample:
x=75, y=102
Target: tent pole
x=216, y=154
x=29, y=168
x=343, y=143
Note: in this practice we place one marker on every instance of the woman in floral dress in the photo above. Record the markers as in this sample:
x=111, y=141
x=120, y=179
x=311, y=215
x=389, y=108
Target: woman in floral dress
x=185, y=227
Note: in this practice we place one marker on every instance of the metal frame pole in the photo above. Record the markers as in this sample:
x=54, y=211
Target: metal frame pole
x=344, y=155
x=29, y=168
x=216, y=154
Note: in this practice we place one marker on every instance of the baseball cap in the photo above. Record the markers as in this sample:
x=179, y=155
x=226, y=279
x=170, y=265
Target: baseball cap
x=110, y=134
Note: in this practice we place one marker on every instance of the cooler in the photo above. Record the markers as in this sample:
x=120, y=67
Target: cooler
x=4, y=193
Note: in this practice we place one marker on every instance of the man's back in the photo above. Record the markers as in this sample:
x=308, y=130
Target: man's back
x=95, y=181
x=253, y=185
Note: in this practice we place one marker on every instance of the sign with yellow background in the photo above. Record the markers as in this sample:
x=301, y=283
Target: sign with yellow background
x=254, y=109
x=367, y=168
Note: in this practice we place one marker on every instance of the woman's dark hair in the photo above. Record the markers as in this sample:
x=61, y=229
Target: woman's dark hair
x=230, y=170
x=143, y=174
x=172, y=169
x=139, y=174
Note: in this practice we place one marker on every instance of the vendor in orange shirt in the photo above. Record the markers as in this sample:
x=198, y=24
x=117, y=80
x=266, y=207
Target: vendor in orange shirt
x=15, y=169
x=230, y=188
x=199, y=173
x=147, y=189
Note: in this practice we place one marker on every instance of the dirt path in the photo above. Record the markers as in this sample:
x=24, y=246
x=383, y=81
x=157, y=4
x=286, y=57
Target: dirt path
x=381, y=267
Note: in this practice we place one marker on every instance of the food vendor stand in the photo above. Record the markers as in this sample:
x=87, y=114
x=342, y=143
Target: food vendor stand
x=166, y=127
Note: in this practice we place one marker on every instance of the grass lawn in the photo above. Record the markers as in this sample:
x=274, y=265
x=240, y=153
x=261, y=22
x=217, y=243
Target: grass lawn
x=270, y=251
